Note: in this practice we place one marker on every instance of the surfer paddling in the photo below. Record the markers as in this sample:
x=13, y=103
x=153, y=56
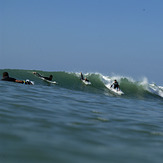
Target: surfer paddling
x=7, y=78
x=82, y=77
x=116, y=85
x=47, y=78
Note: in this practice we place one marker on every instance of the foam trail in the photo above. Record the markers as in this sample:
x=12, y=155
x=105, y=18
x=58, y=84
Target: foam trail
x=153, y=88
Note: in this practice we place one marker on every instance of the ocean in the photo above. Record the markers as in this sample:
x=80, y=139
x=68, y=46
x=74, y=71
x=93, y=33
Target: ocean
x=70, y=122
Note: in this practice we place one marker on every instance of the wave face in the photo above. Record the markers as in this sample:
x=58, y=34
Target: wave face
x=100, y=83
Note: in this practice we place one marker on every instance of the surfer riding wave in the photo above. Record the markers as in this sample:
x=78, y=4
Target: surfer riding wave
x=82, y=77
x=116, y=85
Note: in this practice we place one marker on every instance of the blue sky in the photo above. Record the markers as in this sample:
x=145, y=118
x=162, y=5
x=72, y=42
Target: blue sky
x=124, y=37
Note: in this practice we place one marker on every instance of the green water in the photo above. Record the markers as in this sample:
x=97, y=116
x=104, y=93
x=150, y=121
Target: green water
x=69, y=123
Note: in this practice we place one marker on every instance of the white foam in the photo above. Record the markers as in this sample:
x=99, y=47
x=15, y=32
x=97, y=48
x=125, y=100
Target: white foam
x=156, y=89
x=144, y=83
x=161, y=87
x=108, y=81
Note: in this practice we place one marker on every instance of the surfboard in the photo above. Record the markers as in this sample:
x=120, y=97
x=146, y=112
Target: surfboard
x=119, y=92
x=41, y=77
x=115, y=91
x=86, y=82
x=52, y=82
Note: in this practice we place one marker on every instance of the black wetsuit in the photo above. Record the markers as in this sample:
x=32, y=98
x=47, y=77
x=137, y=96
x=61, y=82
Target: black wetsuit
x=14, y=80
x=82, y=78
x=47, y=78
x=116, y=85
x=9, y=79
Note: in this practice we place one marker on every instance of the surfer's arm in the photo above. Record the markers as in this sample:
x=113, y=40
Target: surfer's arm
x=39, y=75
x=23, y=82
x=19, y=81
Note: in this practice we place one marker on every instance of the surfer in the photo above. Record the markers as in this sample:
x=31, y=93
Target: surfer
x=47, y=78
x=116, y=85
x=7, y=78
x=82, y=77
x=86, y=80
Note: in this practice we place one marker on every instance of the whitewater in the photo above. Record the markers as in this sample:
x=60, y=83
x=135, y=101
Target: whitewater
x=73, y=122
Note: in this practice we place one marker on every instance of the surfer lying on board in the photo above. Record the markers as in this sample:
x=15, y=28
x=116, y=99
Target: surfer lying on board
x=47, y=78
x=116, y=85
x=7, y=78
x=82, y=78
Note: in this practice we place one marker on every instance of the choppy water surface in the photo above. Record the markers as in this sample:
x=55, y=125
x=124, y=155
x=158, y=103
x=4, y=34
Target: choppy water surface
x=77, y=123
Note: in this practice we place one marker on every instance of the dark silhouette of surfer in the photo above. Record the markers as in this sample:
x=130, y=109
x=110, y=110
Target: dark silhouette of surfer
x=7, y=78
x=82, y=77
x=47, y=78
x=116, y=85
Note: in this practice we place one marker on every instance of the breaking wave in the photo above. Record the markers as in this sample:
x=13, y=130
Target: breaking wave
x=100, y=83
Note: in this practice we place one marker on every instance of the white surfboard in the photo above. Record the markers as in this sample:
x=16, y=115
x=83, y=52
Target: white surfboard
x=41, y=77
x=86, y=82
x=52, y=82
x=115, y=91
x=119, y=92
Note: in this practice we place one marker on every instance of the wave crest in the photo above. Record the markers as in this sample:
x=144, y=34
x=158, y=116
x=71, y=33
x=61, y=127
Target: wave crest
x=100, y=82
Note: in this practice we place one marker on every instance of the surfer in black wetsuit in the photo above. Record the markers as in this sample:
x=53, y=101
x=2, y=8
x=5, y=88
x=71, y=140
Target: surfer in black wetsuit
x=7, y=78
x=82, y=77
x=47, y=78
x=116, y=85
x=86, y=79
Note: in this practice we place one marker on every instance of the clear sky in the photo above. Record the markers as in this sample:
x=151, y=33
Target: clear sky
x=124, y=37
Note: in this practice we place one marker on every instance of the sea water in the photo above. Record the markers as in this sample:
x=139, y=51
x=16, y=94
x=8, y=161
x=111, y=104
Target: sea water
x=70, y=122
